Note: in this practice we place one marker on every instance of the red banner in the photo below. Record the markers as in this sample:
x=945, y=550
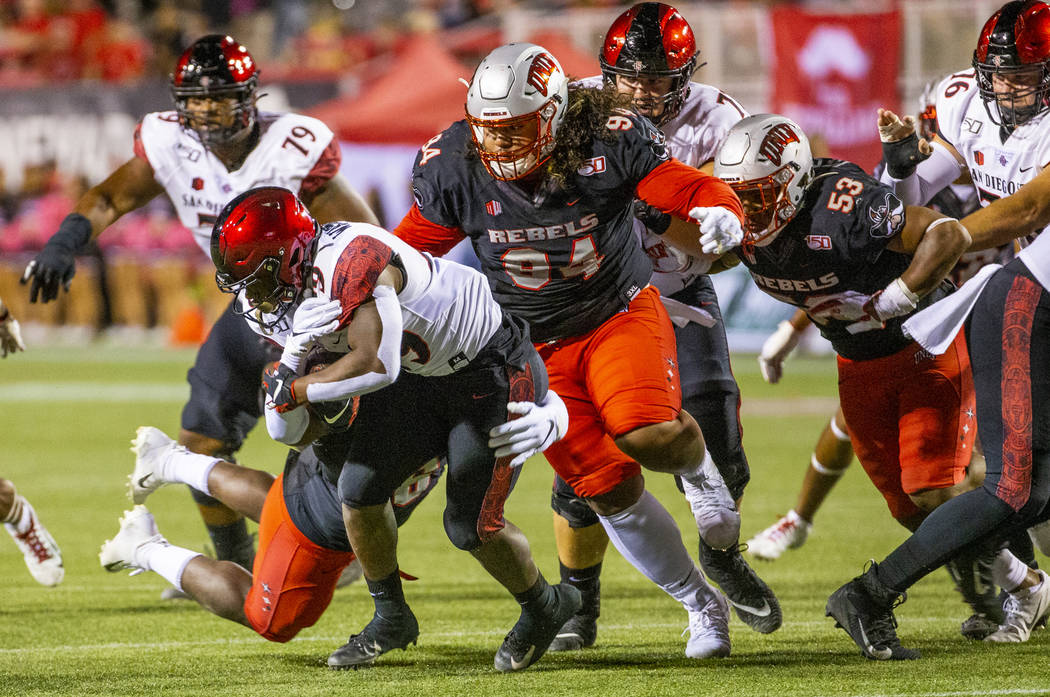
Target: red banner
x=832, y=72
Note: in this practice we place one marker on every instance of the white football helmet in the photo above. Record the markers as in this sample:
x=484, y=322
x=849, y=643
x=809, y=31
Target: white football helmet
x=516, y=86
x=767, y=160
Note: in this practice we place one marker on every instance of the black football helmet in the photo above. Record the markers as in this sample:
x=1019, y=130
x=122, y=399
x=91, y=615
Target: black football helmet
x=652, y=40
x=216, y=67
x=1015, y=46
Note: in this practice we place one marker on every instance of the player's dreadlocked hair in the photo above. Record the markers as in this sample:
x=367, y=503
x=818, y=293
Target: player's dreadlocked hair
x=587, y=113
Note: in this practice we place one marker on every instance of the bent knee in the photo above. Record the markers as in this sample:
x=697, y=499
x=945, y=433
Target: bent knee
x=930, y=499
x=262, y=617
x=668, y=446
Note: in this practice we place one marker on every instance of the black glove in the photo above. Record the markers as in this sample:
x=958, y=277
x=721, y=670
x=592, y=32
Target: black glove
x=902, y=156
x=278, y=382
x=655, y=221
x=54, y=265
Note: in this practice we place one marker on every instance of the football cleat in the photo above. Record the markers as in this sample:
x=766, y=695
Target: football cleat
x=534, y=632
x=973, y=580
x=379, y=636
x=709, y=628
x=578, y=633
x=755, y=602
x=1026, y=610
x=152, y=448
x=717, y=517
x=39, y=549
x=864, y=609
x=789, y=532
x=137, y=528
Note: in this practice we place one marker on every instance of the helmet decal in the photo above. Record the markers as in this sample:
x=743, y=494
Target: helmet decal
x=540, y=71
x=775, y=140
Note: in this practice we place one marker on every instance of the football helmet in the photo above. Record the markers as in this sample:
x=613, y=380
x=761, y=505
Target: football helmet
x=1014, y=47
x=927, y=117
x=515, y=103
x=652, y=40
x=767, y=160
x=219, y=69
x=262, y=243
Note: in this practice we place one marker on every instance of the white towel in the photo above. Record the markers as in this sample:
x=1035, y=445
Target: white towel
x=682, y=314
x=936, y=326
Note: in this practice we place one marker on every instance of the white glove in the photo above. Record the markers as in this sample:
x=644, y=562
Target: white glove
x=10, y=337
x=314, y=317
x=775, y=349
x=846, y=306
x=720, y=230
x=533, y=431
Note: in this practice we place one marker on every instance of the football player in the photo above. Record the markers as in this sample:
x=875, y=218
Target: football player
x=213, y=146
x=439, y=368
x=541, y=178
x=992, y=122
x=302, y=541
x=649, y=54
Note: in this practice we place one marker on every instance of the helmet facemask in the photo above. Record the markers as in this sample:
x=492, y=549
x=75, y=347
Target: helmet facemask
x=264, y=292
x=535, y=131
x=1023, y=93
x=671, y=100
x=767, y=203
x=219, y=116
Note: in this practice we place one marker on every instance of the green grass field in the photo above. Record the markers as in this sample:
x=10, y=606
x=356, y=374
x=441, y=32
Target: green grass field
x=66, y=419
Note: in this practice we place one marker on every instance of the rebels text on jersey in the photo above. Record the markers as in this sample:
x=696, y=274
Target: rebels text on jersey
x=565, y=258
x=837, y=243
x=447, y=309
x=294, y=152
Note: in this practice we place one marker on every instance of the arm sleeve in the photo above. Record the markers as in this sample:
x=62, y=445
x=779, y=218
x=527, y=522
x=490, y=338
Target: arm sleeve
x=427, y=236
x=675, y=188
x=933, y=174
x=389, y=355
x=289, y=427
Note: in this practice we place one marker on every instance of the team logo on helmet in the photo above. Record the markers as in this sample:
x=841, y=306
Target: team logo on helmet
x=777, y=138
x=543, y=66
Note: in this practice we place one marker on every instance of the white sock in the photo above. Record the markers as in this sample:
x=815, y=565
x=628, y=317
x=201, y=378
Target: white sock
x=19, y=516
x=646, y=535
x=165, y=559
x=189, y=468
x=1008, y=571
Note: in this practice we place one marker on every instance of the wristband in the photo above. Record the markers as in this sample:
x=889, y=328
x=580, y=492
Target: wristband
x=895, y=300
x=902, y=156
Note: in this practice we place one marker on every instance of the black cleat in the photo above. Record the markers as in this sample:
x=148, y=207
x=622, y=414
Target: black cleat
x=864, y=609
x=579, y=632
x=379, y=636
x=973, y=580
x=531, y=636
x=755, y=603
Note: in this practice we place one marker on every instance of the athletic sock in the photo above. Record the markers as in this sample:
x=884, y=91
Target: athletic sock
x=188, y=468
x=18, y=516
x=646, y=535
x=1008, y=571
x=233, y=543
x=588, y=582
x=165, y=559
x=388, y=595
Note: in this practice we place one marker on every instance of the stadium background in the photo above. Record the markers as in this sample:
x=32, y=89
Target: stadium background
x=75, y=77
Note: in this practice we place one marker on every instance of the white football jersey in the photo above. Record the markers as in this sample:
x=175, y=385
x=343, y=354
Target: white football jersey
x=693, y=137
x=997, y=168
x=290, y=147
x=447, y=309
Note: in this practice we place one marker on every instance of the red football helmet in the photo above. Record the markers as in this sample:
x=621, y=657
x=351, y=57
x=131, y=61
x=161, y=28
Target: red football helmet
x=652, y=40
x=262, y=243
x=1014, y=51
x=218, y=68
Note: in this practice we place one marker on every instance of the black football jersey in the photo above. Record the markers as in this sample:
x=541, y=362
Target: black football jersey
x=564, y=258
x=837, y=243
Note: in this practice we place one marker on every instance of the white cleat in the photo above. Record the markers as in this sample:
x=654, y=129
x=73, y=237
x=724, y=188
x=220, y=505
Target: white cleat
x=1025, y=610
x=39, y=549
x=790, y=532
x=137, y=528
x=151, y=447
x=709, y=629
x=717, y=517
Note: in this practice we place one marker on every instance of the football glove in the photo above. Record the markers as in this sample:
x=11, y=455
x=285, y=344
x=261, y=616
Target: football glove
x=10, y=335
x=314, y=318
x=533, y=431
x=720, y=229
x=279, y=384
x=775, y=349
x=54, y=266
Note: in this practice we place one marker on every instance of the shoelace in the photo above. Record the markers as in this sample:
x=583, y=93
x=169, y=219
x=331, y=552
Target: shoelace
x=783, y=528
x=35, y=544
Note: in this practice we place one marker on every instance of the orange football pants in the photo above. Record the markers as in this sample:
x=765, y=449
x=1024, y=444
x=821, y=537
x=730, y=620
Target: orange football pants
x=619, y=377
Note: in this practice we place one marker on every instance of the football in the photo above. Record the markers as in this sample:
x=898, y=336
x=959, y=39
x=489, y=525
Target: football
x=334, y=416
